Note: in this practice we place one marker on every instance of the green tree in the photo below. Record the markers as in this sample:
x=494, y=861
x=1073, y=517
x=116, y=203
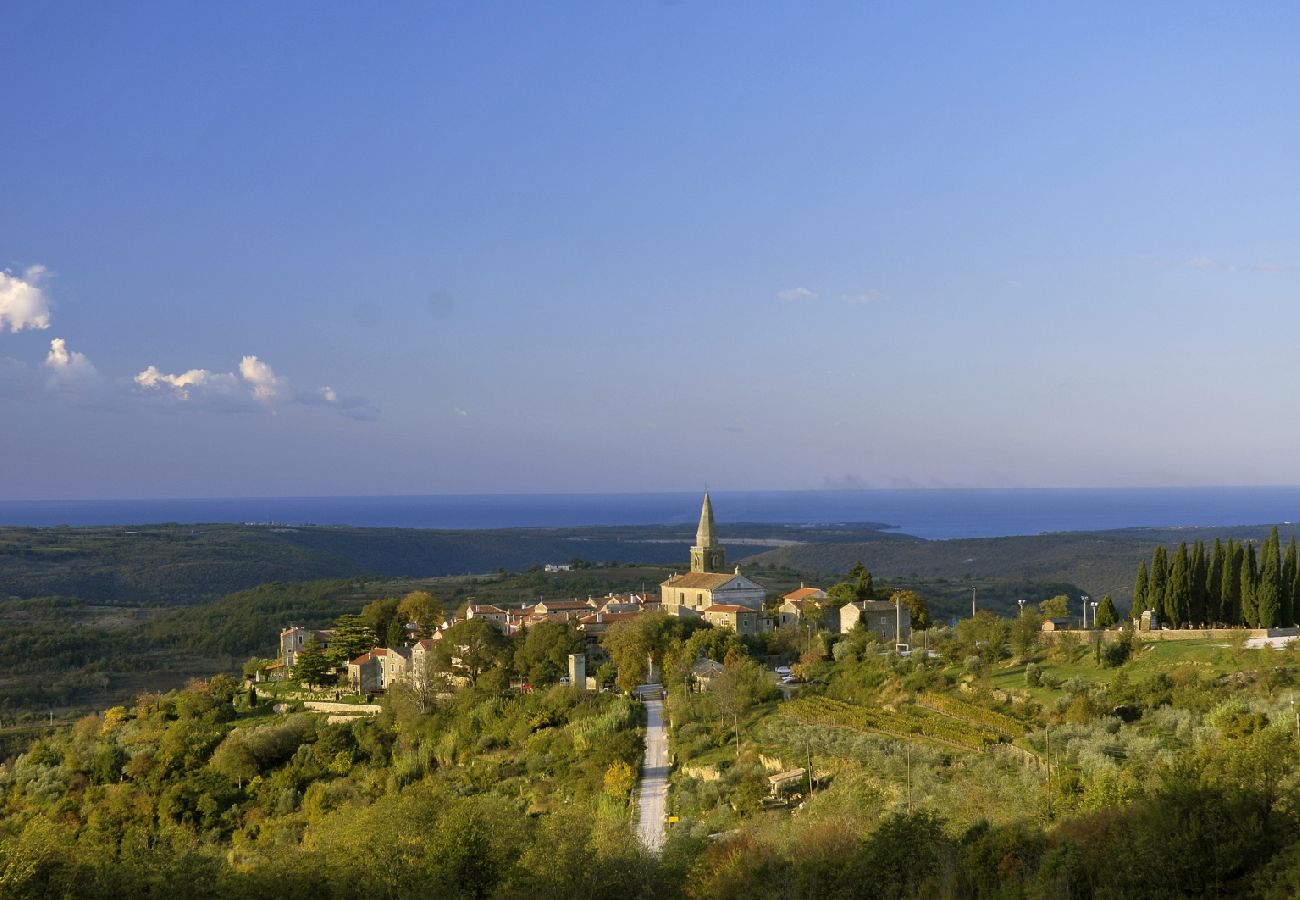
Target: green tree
x=1286, y=614
x=311, y=666
x=1214, y=585
x=917, y=607
x=1230, y=611
x=542, y=653
x=378, y=616
x=422, y=608
x=1197, y=599
x=864, y=586
x=841, y=593
x=1178, y=587
x=740, y=685
x=1268, y=592
x=472, y=648
x=1140, y=602
x=1107, y=615
x=1156, y=583
x=1026, y=632
x=352, y=637
x=1249, y=578
x=632, y=644
x=1057, y=607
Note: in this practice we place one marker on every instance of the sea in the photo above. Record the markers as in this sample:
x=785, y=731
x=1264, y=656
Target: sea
x=935, y=514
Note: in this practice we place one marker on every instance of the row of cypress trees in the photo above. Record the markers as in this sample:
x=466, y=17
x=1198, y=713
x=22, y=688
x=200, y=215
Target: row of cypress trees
x=1228, y=584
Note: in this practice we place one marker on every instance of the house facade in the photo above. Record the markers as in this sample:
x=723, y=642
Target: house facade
x=294, y=638
x=892, y=623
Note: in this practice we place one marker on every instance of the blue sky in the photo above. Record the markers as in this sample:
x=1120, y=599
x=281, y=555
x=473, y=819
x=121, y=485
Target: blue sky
x=309, y=248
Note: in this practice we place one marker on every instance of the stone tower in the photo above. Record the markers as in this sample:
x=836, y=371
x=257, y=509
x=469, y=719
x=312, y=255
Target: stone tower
x=707, y=555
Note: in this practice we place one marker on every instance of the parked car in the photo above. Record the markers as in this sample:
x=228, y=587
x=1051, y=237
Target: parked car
x=783, y=670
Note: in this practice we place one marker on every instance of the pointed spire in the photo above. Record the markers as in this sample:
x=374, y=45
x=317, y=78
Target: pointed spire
x=704, y=534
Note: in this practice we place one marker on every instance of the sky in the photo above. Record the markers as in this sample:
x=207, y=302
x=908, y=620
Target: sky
x=297, y=249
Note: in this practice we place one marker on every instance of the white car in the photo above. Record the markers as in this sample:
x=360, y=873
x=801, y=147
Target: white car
x=783, y=670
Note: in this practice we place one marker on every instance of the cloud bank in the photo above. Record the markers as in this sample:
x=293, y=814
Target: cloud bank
x=22, y=302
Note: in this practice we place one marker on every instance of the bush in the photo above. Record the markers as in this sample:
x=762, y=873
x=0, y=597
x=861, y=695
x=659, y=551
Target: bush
x=1033, y=675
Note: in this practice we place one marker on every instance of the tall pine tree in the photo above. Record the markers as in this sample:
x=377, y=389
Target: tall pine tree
x=1156, y=583
x=1249, y=577
x=1140, y=604
x=1214, y=585
x=1286, y=617
x=1233, y=557
x=1177, y=588
x=1268, y=591
x=1196, y=591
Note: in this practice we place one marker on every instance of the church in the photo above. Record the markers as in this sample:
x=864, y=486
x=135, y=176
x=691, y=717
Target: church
x=708, y=586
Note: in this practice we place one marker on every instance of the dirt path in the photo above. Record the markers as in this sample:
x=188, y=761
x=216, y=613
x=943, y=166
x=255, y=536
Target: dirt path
x=654, y=778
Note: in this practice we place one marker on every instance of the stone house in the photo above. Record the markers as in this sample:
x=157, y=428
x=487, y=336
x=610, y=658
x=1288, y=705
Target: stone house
x=891, y=623
x=294, y=638
x=740, y=619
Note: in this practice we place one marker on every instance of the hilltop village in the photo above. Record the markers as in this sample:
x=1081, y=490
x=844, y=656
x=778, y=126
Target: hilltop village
x=707, y=593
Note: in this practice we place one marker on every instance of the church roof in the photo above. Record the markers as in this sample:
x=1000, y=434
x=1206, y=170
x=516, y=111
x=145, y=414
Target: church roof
x=704, y=534
x=708, y=581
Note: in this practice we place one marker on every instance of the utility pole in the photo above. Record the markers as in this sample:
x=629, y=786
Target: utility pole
x=898, y=620
x=909, y=777
x=972, y=602
x=1084, y=598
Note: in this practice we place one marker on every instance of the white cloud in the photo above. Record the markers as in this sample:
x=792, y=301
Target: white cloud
x=350, y=407
x=258, y=374
x=256, y=381
x=1208, y=265
x=869, y=296
x=68, y=365
x=188, y=384
x=790, y=295
x=460, y=412
x=22, y=302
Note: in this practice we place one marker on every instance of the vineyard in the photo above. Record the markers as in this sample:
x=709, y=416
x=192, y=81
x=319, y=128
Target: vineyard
x=910, y=722
x=970, y=712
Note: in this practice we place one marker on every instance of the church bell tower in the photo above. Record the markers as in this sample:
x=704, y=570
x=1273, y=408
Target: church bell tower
x=707, y=555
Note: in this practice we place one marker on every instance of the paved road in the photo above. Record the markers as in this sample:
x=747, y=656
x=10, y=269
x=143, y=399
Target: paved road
x=654, y=778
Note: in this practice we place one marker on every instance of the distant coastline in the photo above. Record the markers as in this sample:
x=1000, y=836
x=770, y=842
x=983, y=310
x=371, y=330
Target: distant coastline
x=934, y=514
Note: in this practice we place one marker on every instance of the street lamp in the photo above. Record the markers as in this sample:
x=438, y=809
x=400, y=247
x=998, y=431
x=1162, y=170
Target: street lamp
x=1021, y=601
x=1085, y=598
x=1093, y=604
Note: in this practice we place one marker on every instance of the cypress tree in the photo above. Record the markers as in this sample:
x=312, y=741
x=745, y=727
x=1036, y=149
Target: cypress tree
x=1295, y=589
x=1249, y=576
x=1196, y=593
x=1214, y=585
x=1268, y=590
x=1286, y=616
x=1140, y=591
x=1177, y=588
x=1156, y=583
x=1231, y=590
